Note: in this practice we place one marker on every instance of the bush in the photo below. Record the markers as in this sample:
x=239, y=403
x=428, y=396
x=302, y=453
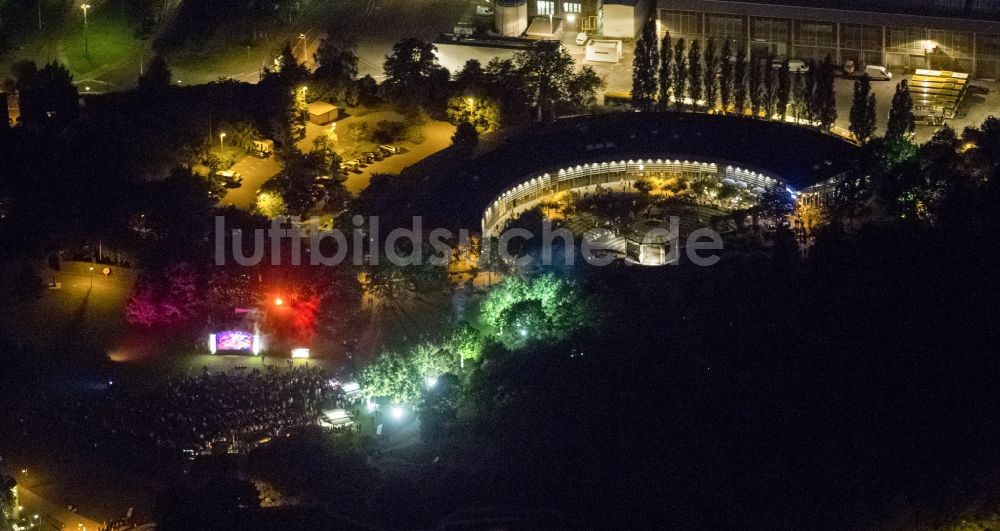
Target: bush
x=387, y=132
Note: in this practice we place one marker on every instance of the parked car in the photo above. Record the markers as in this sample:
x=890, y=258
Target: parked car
x=875, y=72
x=387, y=148
x=230, y=178
x=351, y=165
x=581, y=38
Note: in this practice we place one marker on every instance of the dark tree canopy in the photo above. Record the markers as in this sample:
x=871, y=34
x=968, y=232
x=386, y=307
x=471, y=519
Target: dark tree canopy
x=157, y=77
x=466, y=137
x=337, y=66
x=695, y=88
x=644, y=65
x=471, y=79
x=726, y=75
x=863, y=110
x=826, y=96
x=783, y=93
x=410, y=71
x=901, y=122
x=711, y=75
x=47, y=95
x=666, y=71
x=740, y=79
x=680, y=74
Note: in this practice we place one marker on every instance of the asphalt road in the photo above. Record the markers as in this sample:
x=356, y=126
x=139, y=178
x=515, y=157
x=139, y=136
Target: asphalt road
x=50, y=511
x=256, y=172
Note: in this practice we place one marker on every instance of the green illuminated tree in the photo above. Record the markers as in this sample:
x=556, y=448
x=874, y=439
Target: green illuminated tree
x=523, y=322
x=480, y=111
x=393, y=376
x=546, y=308
x=432, y=360
x=402, y=377
x=466, y=341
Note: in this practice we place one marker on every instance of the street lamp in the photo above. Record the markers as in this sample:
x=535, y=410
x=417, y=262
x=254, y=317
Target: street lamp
x=86, y=41
x=302, y=37
x=222, y=144
x=91, y=276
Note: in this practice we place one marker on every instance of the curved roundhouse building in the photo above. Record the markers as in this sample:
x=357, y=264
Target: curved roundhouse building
x=577, y=153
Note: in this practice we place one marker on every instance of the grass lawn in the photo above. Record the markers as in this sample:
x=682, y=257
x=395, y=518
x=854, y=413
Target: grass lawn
x=76, y=316
x=115, y=51
x=112, y=47
x=223, y=59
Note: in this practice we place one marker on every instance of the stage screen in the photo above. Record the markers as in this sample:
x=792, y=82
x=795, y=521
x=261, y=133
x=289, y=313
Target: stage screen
x=234, y=340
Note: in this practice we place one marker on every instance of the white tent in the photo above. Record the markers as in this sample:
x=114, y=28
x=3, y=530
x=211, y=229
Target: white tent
x=336, y=418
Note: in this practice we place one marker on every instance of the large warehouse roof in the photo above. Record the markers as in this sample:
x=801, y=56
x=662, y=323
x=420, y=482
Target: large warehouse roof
x=970, y=9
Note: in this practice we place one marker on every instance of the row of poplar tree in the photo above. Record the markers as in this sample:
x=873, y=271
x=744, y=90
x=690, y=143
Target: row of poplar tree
x=666, y=73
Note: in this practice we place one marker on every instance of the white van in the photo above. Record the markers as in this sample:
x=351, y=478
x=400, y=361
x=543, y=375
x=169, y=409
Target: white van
x=878, y=73
x=797, y=66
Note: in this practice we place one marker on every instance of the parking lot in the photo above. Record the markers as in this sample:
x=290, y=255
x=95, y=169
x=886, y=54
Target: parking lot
x=256, y=171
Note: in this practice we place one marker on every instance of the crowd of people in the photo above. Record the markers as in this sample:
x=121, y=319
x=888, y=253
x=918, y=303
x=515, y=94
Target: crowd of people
x=212, y=411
